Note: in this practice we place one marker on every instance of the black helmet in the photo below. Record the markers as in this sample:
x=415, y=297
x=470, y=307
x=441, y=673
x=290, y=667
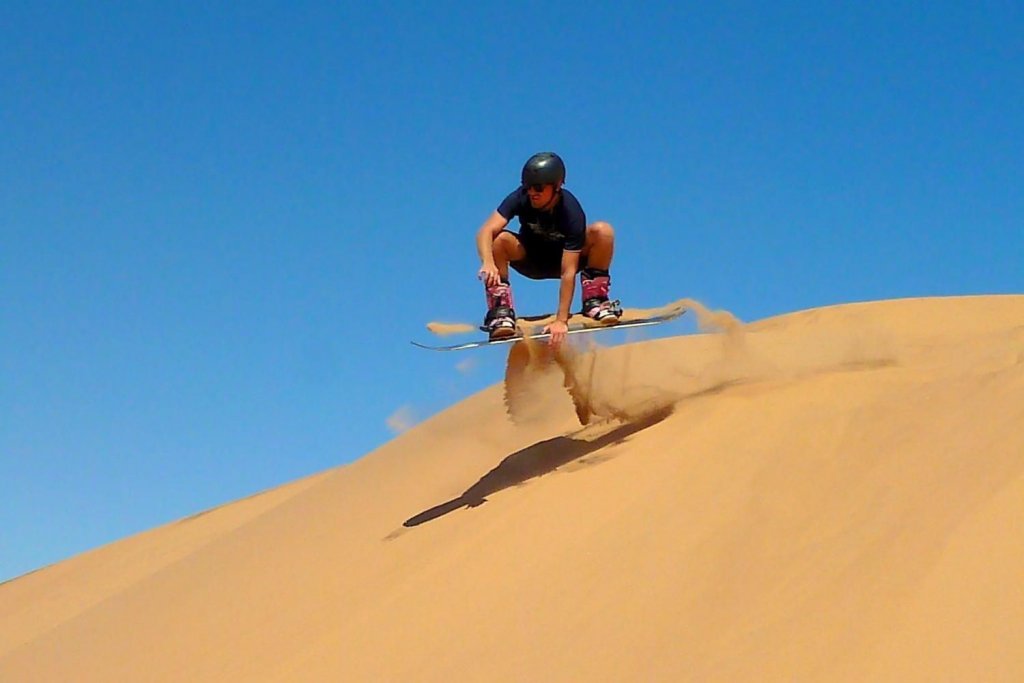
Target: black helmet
x=544, y=168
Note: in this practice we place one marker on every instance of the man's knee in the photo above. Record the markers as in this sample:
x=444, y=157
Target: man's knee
x=505, y=243
x=601, y=230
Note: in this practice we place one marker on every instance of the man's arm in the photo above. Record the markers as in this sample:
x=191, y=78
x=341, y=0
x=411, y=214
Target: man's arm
x=560, y=327
x=494, y=224
x=485, y=236
x=570, y=262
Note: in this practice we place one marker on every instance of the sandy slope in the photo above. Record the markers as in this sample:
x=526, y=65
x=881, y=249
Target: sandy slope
x=832, y=495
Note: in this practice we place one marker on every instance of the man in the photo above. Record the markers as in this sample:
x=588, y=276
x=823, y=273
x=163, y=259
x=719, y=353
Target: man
x=554, y=242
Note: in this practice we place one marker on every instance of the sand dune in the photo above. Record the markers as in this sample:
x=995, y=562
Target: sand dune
x=831, y=495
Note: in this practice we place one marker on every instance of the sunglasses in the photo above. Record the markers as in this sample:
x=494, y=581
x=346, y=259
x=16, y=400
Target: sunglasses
x=536, y=187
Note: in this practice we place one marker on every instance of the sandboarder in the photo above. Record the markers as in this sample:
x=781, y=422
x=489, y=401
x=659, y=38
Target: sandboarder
x=554, y=242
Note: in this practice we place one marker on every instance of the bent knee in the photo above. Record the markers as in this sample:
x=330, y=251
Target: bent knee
x=505, y=238
x=507, y=244
x=601, y=229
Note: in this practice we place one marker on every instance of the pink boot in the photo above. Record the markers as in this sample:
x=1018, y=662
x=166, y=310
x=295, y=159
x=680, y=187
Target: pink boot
x=500, y=321
x=595, y=299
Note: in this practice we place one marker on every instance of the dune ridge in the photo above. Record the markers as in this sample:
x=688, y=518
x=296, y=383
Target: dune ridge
x=833, y=494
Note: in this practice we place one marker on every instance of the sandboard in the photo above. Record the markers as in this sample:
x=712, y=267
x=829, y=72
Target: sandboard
x=574, y=328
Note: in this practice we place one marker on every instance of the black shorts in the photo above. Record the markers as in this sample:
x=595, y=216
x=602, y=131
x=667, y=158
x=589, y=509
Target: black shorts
x=543, y=261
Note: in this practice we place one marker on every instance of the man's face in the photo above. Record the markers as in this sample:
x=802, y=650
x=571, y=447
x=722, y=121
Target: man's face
x=540, y=195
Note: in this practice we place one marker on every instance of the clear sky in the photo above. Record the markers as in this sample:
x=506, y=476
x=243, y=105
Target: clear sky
x=222, y=223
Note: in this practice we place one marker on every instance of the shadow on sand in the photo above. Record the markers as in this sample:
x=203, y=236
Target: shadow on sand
x=534, y=461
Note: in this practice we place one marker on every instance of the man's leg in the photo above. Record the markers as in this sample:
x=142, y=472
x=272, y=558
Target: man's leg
x=595, y=281
x=506, y=248
x=599, y=246
x=500, y=320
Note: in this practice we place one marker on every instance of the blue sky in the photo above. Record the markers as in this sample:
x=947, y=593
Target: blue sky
x=221, y=225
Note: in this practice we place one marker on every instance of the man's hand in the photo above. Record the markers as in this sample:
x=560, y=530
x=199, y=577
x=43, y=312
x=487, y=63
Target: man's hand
x=489, y=274
x=558, y=331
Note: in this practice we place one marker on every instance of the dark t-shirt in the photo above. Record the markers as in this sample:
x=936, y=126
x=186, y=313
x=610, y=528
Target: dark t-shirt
x=563, y=227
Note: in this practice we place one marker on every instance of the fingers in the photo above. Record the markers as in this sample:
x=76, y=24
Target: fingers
x=489, y=277
x=557, y=336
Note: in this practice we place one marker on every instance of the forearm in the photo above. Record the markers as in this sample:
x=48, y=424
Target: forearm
x=485, y=246
x=565, y=292
x=486, y=235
